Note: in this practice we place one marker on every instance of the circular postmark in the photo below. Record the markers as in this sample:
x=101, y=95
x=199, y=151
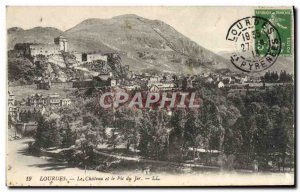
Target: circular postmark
x=257, y=44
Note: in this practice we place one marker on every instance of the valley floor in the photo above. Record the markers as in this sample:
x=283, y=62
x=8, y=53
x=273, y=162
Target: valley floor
x=24, y=169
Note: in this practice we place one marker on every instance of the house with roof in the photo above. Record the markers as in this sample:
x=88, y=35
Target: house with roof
x=209, y=80
x=65, y=102
x=131, y=87
x=154, y=88
x=53, y=99
x=220, y=84
x=29, y=113
x=36, y=100
x=162, y=86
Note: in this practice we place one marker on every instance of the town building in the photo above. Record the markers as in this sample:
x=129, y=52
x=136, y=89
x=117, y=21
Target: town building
x=22, y=49
x=209, y=80
x=95, y=57
x=244, y=79
x=154, y=79
x=131, y=87
x=29, y=113
x=36, y=100
x=65, y=102
x=154, y=88
x=166, y=86
x=53, y=99
x=43, y=49
x=220, y=84
x=89, y=57
x=101, y=80
x=113, y=82
x=34, y=49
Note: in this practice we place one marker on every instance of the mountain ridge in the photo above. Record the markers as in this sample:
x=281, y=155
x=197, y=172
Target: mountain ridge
x=142, y=43
x=282, y=63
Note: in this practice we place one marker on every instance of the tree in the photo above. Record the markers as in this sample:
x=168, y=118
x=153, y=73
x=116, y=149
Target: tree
x=283, y=137
x=153, y=134
x=263, y=136
x=115, y=62
x=85, y=144
x=29, y=116
x=96, y=125
x=176, y=135
x=267, y=77
x=20, y=68
x=127, y=122
x=234, y=140
x=48, y=133
x=67, y=130
x=192, y=129
x=114, y=139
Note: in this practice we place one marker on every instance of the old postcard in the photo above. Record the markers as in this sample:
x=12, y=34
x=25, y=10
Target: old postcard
x=150, y=96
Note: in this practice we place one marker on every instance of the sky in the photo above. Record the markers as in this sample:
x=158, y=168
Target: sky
x=207, y=26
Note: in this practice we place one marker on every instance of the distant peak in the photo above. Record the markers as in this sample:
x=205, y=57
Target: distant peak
x=91, y=20
x=45, y=28
x=126, y=16
x=40, y=29
x=14, y=29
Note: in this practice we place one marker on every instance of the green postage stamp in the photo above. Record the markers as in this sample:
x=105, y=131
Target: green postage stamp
x=281, y=19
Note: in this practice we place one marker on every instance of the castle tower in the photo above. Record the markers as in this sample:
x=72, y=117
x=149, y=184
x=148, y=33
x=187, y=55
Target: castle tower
x=62, y=42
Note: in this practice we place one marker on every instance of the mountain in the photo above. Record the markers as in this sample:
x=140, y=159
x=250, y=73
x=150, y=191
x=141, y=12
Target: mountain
x=34, y=35
x=143, y=44
x=14, y=29
x=282, y=63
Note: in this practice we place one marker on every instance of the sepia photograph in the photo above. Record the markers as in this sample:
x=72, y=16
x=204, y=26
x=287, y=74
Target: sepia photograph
x=150, y=96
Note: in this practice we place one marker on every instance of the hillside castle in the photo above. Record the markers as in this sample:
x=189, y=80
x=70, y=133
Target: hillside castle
x=60, y=45
x=34, y=49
